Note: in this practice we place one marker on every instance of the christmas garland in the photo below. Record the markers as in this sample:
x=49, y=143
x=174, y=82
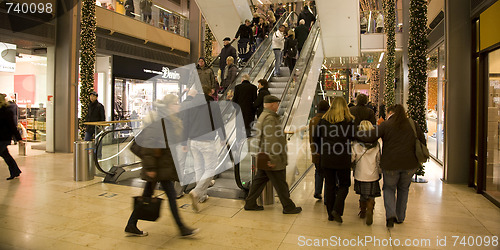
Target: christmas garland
x=209, y=38
x=87, y=58
x=417, y=65
x=390, y=65
x=374, y=86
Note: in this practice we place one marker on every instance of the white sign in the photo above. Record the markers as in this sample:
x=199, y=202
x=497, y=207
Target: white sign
x=165, y=73
x=7, y=57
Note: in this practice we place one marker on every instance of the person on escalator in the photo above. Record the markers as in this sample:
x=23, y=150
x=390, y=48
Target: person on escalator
x=157, y=159
x=246, y=39
x=278, y=43
x=262, y=31
x=290, y=50
x=263, y=91
x=301, y=33
x=226, y=52
x=230, y=73
x=245, y=95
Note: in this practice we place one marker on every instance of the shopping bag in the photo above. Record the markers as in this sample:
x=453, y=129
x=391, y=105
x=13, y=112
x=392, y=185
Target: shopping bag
x=147, y=208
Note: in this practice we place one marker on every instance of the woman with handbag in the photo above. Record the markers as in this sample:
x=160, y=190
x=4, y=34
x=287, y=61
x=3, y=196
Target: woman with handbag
x=366, y=171
x=152, y=146
x=398, y=161
x=333, y=137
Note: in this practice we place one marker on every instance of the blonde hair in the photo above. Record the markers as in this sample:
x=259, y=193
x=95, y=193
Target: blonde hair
x=365, y=125
x=230, y=59
x=291, y=33
x=245, y=77
x=338, y=111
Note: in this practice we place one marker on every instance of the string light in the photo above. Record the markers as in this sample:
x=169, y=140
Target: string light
x=390, y=64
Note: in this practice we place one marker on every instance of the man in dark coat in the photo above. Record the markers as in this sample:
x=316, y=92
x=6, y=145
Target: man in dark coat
x=227, y=51
x=245, y=34
x=361, y=112
x=323, y=106
x=129, y=8
x=8, y=130
x=301, y=33
x=95, y=114
x=308, y=17
x=245, y=95
x=258, y=105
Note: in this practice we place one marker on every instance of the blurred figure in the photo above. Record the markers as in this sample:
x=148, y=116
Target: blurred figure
x=280, y=10
x=271, y=18
x=271, y=139
x=301, y=33
x=323, y=107
x=335, y=154
x=146, y=10
x=361, y=111
x=227, y=51
x=163, y=129
x=95, y=114
x=366, y=169
x=307, y=16
x=380, y=23
x=261, y=31
x=8, y=130
x=263, y=92
x=290, y=50
x=245, y=95
x=398, y=161
x=230, y=73
x=363, y=24
x=129, y=8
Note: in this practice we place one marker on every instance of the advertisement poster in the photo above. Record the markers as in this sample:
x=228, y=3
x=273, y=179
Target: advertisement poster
x=7, y=57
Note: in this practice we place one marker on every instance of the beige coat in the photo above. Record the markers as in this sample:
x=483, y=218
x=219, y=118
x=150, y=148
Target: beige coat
x=271, y=138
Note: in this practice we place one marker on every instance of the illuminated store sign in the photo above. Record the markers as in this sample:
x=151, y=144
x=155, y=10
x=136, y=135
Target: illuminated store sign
x=7, y=57
x=165, y=73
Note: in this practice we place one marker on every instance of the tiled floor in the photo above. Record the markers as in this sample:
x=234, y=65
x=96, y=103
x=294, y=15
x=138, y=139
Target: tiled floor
x=46, y=209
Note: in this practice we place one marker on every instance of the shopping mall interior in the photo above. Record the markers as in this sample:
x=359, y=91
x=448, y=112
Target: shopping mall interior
x=439, y=59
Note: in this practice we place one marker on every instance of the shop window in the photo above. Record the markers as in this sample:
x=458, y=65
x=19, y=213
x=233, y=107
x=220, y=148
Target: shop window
x=493, y=124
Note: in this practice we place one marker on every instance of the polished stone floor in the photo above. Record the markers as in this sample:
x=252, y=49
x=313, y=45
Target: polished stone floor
x=46, y=209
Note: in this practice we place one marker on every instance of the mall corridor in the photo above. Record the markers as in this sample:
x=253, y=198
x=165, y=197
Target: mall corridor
x=46, y=209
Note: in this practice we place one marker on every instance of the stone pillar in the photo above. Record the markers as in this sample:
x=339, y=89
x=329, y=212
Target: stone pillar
x=458, y=91
x=66, y=80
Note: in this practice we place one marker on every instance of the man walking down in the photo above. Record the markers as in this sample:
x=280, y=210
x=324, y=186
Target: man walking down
x=361, y=112
x=245, y=95
x=263, y=91
x=278, y=43
x=95, y=114
x=226, y=52
x=246, y=37
x=301, y=33
x=271, y=140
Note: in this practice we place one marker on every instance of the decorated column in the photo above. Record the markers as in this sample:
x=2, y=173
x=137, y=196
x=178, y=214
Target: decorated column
x=390, y=53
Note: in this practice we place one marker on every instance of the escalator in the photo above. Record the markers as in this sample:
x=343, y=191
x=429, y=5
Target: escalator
x=118, y=165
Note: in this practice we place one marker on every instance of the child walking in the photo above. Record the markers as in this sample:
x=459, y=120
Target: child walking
x=366, y=168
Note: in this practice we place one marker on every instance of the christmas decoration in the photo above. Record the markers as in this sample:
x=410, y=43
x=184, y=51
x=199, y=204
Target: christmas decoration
x=373, y=75
x=87, y=58
x=390, y=53
x=417, y=65
x=208, y=45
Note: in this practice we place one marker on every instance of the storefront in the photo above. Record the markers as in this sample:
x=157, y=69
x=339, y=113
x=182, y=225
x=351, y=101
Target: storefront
x=435, y=102
x=137, y=84
x=23, y=78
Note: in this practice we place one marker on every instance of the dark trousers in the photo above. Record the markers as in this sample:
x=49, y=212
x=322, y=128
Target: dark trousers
x=278, y=179
x=318, y=179
x=4, y=152
x=290, y=62
x=335, y=195
x=168, y=186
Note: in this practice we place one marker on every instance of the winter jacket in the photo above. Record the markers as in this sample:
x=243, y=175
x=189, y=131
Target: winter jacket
x=95, y=113
x=262, y=30
x=207, y=76
x=367, y=159
x=301, y=33
x=245, y=95
x=197, y=124
x=278, y=41
x=290, y=47
x=145, y=6
x=230, y=73
x=334, y=143
x=244, y=31
x=307, y=16
x=313, y=123
x=361, y=113
x=8, y=129
x=259, y=102
x=227, y=51
x=271, y=139
x=398, y=149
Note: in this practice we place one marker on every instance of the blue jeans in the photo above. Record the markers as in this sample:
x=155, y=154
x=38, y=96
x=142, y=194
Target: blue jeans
x=278, y=55
x=4, y=152
x=396, y=188
x=318, y=180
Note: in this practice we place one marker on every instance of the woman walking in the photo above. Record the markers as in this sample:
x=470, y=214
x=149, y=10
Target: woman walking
x=366, y=159
x=398, y=161
x=333, y=136
x=8, y=130
x=157, y=160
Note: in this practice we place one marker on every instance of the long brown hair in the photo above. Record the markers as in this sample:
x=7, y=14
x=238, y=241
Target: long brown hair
x=338, y=112
x=399, y=116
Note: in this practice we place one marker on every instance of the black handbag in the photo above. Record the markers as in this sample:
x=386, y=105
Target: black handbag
x=147, y=208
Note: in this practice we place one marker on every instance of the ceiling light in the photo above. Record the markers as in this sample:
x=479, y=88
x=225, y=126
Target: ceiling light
x=378, y=65
x=381, y=57
x=260, y=2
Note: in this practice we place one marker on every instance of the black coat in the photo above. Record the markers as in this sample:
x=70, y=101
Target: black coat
x=334, y=143
x=95, y=113
x=259, y=102
x=8, y=129
x=308, y=17
x=244, y=31
x=301, y=33
x=290, y=49
x=245, y=95
x=227, y=51
x=361, y=113
x=398, y=148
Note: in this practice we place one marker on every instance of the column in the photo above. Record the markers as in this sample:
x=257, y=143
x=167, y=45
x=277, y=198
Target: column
x=458, y=91
x=406, y=35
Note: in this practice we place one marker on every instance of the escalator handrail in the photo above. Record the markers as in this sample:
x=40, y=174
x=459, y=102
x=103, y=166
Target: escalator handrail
x=300, y=78
x=99, y=142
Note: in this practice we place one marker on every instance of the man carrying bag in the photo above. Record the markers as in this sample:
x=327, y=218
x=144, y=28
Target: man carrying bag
x=271, y=159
